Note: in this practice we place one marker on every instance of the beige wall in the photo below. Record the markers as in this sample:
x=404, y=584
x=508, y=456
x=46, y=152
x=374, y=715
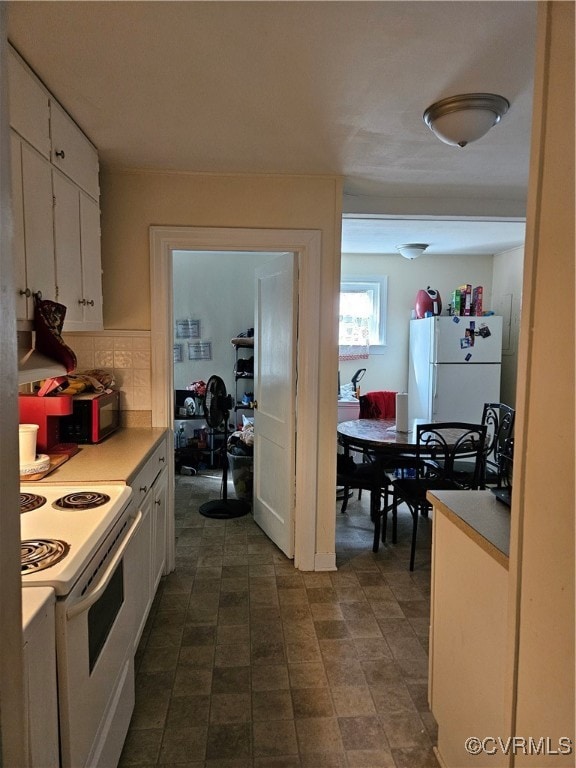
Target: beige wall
x=133, y=201
x=507, y=301
x=542, y=545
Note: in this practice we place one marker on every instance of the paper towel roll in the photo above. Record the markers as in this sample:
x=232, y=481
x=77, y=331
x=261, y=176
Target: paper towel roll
x=401, y=412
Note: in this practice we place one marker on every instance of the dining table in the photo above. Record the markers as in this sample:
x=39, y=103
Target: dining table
x=379, y=435
x=391, y=450
x=395, y=453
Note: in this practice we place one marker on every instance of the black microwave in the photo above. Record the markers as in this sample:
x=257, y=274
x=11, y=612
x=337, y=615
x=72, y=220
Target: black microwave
x=94, y=416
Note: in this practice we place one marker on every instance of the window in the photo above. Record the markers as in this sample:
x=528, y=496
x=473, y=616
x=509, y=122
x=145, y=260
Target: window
x=362, y=317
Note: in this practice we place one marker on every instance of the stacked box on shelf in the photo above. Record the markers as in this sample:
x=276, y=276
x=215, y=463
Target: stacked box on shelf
x=477, y=296
x=465, y=299
x=456, y=301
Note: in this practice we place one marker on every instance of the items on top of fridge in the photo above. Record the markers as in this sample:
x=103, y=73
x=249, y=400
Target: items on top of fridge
x=467, y=300
x=428, y=303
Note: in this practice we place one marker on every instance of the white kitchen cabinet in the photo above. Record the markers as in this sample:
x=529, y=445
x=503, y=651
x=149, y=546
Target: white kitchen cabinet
x=18, y=247
x=150, y=494
x=28, y=103
x=77, y=251
x=32, y=207
x=55, y=212
x=160, y=510
x=71, y=152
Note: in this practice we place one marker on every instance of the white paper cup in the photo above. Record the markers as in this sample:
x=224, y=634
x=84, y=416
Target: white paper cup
x=27, y=443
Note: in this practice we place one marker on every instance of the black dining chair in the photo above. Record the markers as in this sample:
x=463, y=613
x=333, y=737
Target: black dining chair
x=499, y=421
x=368, y=475
x=372, y=405
x=439, y=447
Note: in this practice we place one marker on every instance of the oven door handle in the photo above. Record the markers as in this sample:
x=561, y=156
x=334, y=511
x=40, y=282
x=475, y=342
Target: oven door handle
x=82, y=605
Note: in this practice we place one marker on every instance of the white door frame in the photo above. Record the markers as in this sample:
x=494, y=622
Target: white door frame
x=307, y=246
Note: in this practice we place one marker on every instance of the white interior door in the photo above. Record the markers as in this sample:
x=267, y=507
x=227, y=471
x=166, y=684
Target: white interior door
x=275, y=393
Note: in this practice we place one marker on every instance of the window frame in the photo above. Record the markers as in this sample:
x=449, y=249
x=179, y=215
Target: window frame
x=361, y=284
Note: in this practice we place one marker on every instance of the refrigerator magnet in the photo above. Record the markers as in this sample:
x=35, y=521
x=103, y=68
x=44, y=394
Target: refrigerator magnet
x=484, y=331
x=468, y=357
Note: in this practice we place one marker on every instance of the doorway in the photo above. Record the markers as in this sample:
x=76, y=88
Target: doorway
x=310, y=510
x=234, y=307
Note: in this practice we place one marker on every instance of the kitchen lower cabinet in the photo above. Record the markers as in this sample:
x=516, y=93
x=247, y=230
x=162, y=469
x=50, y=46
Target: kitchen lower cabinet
x=150, y=494
x=468, y=629
x=77, y=251
x=159, y=515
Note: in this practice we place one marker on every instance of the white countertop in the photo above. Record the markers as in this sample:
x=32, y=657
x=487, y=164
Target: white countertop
x=116, y=459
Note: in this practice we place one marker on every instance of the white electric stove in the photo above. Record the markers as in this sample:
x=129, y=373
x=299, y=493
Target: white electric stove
x=61, y=528
x=83, y=542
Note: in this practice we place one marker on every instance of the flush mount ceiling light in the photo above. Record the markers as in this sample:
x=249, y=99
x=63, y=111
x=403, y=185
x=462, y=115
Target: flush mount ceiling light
x=412, y=250
x=458, y=120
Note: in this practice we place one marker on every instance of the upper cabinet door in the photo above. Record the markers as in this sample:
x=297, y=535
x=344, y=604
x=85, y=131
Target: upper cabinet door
x=67, y=247
x=38, y=226
x=91, y=263
x=23, y=303
x=72, y=153
x=77, y=248
x=28, y=105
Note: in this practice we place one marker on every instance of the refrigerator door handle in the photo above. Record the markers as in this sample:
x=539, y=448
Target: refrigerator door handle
x=434, y=389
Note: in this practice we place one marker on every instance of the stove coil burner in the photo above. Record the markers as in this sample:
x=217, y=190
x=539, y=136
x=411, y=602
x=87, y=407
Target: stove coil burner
x=38, y=554
x=30, y=501
x=81, y=500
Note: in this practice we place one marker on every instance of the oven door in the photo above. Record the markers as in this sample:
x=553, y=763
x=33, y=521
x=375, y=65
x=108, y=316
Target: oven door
x=95, y=631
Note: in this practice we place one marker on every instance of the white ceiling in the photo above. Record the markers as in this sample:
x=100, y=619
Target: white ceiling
x=303, y=87
x=444, y=236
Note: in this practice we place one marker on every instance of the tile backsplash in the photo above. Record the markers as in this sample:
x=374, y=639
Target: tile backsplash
x=125, y=354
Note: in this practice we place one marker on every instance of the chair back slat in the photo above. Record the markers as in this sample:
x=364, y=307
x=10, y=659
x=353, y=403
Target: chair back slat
x=499, y=420
x=446, y=444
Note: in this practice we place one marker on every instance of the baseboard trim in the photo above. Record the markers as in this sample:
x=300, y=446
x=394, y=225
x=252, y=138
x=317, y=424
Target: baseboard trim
x=325, y=561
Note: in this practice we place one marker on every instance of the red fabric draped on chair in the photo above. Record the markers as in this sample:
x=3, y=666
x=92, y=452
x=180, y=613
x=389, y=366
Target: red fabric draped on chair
x=378, y=405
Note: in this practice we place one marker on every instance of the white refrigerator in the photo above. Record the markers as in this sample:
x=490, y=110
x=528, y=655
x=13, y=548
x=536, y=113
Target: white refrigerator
x=454, y=367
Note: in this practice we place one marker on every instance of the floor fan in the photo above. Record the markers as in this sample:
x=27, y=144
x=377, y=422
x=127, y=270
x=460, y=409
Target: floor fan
x=217, y=405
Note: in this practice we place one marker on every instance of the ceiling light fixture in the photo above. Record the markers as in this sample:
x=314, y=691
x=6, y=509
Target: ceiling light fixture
x=458, y=120
x=412, y=250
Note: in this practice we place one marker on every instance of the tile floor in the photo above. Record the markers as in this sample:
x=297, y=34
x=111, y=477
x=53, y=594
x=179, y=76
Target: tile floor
x=248, y=662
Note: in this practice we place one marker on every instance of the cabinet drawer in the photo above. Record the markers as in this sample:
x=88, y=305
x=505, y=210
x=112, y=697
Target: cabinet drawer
x=72, y=153
x=150, y=471
x=28, y=105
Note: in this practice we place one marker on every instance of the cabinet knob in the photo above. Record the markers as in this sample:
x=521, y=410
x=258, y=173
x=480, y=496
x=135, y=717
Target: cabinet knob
x=162, y=459
x=90, y=303
x=82, y=302
x=38, y=295
x=158, y=502
x=60, y=153
x=144, y=488
x=26, y=293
